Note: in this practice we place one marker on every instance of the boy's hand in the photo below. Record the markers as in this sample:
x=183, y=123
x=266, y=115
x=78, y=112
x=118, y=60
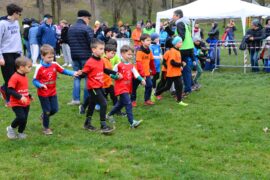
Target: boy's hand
x=44, y=86
x=2, y=62
x=143, y=82
x=120, y=76
x=23, y=99
x=76, y=73
x=184, y=64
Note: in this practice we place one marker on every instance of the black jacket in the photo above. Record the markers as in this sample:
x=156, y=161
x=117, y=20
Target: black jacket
x=79, y=39
x=214, y=32
x=258, y=36
x=64, y=35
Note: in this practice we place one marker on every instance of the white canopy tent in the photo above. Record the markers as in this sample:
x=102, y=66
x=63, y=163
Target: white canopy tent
x=216, y=9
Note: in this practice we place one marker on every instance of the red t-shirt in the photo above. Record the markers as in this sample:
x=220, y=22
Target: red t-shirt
x=47, y=76
x=20, y=84
x=94, y=69
x=124, y=85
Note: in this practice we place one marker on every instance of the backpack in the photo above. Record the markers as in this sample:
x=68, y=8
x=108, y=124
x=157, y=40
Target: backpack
x=243, y=45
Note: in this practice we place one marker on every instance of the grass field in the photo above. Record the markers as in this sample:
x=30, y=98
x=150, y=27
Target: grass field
x=218, y=136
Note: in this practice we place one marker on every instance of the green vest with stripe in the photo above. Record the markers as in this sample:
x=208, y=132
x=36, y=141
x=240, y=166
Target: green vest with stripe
x=188, y=42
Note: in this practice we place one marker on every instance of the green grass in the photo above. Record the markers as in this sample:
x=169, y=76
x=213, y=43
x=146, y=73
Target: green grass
x=218, y=136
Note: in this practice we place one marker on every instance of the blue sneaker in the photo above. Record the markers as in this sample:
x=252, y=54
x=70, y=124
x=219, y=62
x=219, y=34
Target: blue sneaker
x=135, y=123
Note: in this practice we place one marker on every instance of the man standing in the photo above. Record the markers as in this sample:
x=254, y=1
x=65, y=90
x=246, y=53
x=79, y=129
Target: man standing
x=183, y=30
x=10, y=45
x=80, y=36
x=47, y=32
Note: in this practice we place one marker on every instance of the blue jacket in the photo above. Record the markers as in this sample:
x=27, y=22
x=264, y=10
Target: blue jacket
x=163, y=36
x=32, y=36
x=46, y=35
x=79, y=39
x=156, y=50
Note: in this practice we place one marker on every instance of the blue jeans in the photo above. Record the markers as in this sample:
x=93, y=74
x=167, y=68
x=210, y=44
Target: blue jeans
x=254, y=56
x=78, y=65
x=124, y=101
x=187, y=76
x=28, y=51
x=49, y=107
x=148, y=88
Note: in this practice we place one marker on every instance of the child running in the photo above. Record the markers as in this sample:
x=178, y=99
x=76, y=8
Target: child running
x=174, y=68
x=123, y=87
x=20, y=98
x=94, y=69
x=45, y=80
x=146, y=68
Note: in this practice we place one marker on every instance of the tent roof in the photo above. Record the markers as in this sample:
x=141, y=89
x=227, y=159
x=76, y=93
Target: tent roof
x=217, y=9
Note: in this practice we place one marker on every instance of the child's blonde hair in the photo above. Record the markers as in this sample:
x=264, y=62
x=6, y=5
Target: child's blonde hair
x=22, y=61
x=46, y=49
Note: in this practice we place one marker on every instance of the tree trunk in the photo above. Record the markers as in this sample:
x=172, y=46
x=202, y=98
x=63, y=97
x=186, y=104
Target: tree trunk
x=37, y=3
x=164, y=4
x=59, y=10
x=41, y=9
x=144, y=7
x=133, y=4
x=150, y=5
x=93, y=7
x=117, y=7
x=172, y=3
x=53, y=8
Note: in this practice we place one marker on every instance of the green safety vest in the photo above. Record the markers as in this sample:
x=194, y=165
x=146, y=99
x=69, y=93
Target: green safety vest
x=188, y=42
x=150, y=31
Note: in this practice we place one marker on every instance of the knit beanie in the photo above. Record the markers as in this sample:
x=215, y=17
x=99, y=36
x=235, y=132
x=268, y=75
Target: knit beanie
x=154, y=36
x=83, y=13
x=255, y=22
x=176, y=40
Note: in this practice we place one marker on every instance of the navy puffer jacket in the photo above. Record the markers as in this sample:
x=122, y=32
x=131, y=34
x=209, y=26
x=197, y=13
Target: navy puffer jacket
x=79, y=39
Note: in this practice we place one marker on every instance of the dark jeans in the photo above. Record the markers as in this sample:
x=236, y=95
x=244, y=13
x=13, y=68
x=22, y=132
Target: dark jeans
x=96, y=97
x=9, y=69
x=21, y=117
x=124, y=101
x=147, y=92
x=49, y=107
x=110, y=91
x=254, y=57
x=177, y=84
x=154, y=79
x=188, y=57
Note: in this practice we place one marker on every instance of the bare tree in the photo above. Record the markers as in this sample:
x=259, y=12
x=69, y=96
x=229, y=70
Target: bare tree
x=150, y=5
x=41, y=9
x=133, y=4
x=93, y=7
x=164, y=4
x=59, y=10
x=117, y=7
x=144, y=7
x=53, y=7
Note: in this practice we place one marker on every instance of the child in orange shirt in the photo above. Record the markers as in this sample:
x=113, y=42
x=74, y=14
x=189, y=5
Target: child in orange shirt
x=146, y=67
x=174, y=70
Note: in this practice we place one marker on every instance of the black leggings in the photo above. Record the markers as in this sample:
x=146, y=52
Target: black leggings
x=21, y=117
x=9, y=69
x=154, y=79
x=177, y=84
x=162, y=81
x=96, y=97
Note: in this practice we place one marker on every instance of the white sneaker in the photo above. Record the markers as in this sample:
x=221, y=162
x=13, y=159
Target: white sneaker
x=34, y=65
x=22, y=136
x=57, y=56
x=110, y=118
x=74, y=103
x=70, y=65
x=11, y=134
x=64, y=65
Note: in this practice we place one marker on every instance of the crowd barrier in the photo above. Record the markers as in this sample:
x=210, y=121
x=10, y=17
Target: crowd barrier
x=121, y=42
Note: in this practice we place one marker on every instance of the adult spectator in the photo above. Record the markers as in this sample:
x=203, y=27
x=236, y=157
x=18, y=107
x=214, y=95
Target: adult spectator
x=254, y=38
x=183, y=30
x=26, y=26
x=80, y=36
x=148, y=29
x=64, y=43
x=267, y=27
x=136, y=34
x=122, y=33
x=230, y=37
x=10, y=45
x=197, y=32
x=32, y=36
x=47, y=32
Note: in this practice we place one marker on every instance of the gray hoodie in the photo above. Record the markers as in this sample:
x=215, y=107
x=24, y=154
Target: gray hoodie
x=10, y=37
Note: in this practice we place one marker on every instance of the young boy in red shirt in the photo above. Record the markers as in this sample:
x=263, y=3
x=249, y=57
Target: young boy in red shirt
x=146, y=67
x=94, y=69
x=174, y=66
x=123, y=87
x=20, y=98
x=45, y=80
